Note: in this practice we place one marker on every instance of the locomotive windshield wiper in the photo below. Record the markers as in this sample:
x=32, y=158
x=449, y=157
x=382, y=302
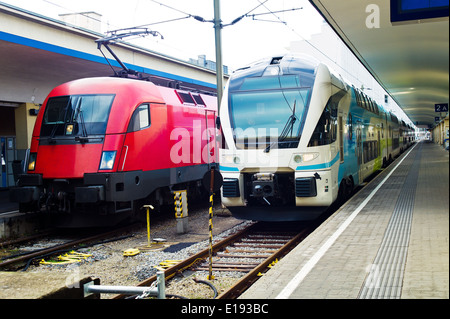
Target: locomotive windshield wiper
x=51, y=139
x=84, y=135
x=288, y=128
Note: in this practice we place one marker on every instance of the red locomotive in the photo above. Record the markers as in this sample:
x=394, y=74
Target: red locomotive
x=103, y=147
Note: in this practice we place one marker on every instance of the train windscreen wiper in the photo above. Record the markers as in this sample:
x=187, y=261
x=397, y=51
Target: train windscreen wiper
x=51, y=139
x=288, y=129
x=84, y=135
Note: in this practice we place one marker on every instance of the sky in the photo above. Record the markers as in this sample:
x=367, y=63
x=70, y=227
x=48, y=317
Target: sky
x=268, y=29
x=268, y=32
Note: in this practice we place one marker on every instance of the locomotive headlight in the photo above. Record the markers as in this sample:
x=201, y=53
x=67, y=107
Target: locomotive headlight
x=32, y=161
x=107, y=161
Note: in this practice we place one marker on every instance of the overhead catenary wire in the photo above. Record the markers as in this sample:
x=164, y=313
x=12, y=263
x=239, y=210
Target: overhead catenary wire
x=236, y=20
x=187, y=15
x=172, y=8
x=246, y=14
x=274, y=13
x=262, y=3
x=201, y=19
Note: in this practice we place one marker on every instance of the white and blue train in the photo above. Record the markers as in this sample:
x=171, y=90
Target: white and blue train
x=297, y=137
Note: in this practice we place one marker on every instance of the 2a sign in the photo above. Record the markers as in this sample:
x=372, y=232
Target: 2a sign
x=441, y=107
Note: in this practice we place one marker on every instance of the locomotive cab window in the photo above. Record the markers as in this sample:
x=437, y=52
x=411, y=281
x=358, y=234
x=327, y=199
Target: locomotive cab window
x=140, y=118
x=76, y=115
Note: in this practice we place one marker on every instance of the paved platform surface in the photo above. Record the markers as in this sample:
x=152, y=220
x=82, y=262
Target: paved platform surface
x=391, y=240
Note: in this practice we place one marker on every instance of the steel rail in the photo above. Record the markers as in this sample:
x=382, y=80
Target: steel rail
x=240, y=286
x=170, y=272
x=246, y=280
x=56, y=248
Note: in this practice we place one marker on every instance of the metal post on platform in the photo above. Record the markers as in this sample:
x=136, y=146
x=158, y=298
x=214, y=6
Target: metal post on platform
x=148, y=207
x=218, y=42
x=211, y=195
x=181, y=211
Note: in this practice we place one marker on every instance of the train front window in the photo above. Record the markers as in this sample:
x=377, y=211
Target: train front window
x=269, y=113
x=76, y=115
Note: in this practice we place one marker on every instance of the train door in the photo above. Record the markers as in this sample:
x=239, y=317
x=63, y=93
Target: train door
x=359, y=150
x=7, y=157
x=379, y=144
x=390, y=147
x=2, y=163
x=341, y=139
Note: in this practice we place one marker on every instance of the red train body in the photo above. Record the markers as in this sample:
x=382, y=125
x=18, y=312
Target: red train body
x=105, y=146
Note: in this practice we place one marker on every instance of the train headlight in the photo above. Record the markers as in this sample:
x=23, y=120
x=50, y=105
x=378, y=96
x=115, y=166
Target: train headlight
x=32, y=161
x=107, y=161
x=231, y=159
x=305, y=157
x=309, y=157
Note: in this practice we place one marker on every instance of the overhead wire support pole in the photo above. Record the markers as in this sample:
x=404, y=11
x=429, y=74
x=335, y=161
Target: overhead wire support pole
x=219, y=79
x=219, y=63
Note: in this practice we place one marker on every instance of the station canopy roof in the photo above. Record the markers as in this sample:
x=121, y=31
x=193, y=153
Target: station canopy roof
x=403, y=43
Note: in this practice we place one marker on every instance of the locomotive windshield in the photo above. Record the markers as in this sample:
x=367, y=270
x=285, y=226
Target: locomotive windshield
x=76, y=115
x=268, y=112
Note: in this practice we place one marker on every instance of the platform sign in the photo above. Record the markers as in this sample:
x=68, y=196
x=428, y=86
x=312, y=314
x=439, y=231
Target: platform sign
x=441, y=107
x=411, y=10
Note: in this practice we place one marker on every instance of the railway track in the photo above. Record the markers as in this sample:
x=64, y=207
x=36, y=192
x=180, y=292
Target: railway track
x=27, y=257
x=251, y=251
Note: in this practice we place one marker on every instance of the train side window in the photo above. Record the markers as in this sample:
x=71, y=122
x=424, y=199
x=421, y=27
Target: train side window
x=358, y=98
x=185, y=97
x=326, y=130
x=361, y=100
x=350, y=127
x=370, y=151
x=341, y=139
x=198, y=100
x=140, y=118
x=371, y=106
x=365, y=103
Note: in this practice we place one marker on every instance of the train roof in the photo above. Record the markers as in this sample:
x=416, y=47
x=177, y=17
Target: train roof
x=288, y=64
x=129, y=93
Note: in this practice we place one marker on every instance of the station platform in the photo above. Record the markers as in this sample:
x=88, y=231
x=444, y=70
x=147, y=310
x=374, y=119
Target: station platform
x=389, y=241
x=14, y=224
